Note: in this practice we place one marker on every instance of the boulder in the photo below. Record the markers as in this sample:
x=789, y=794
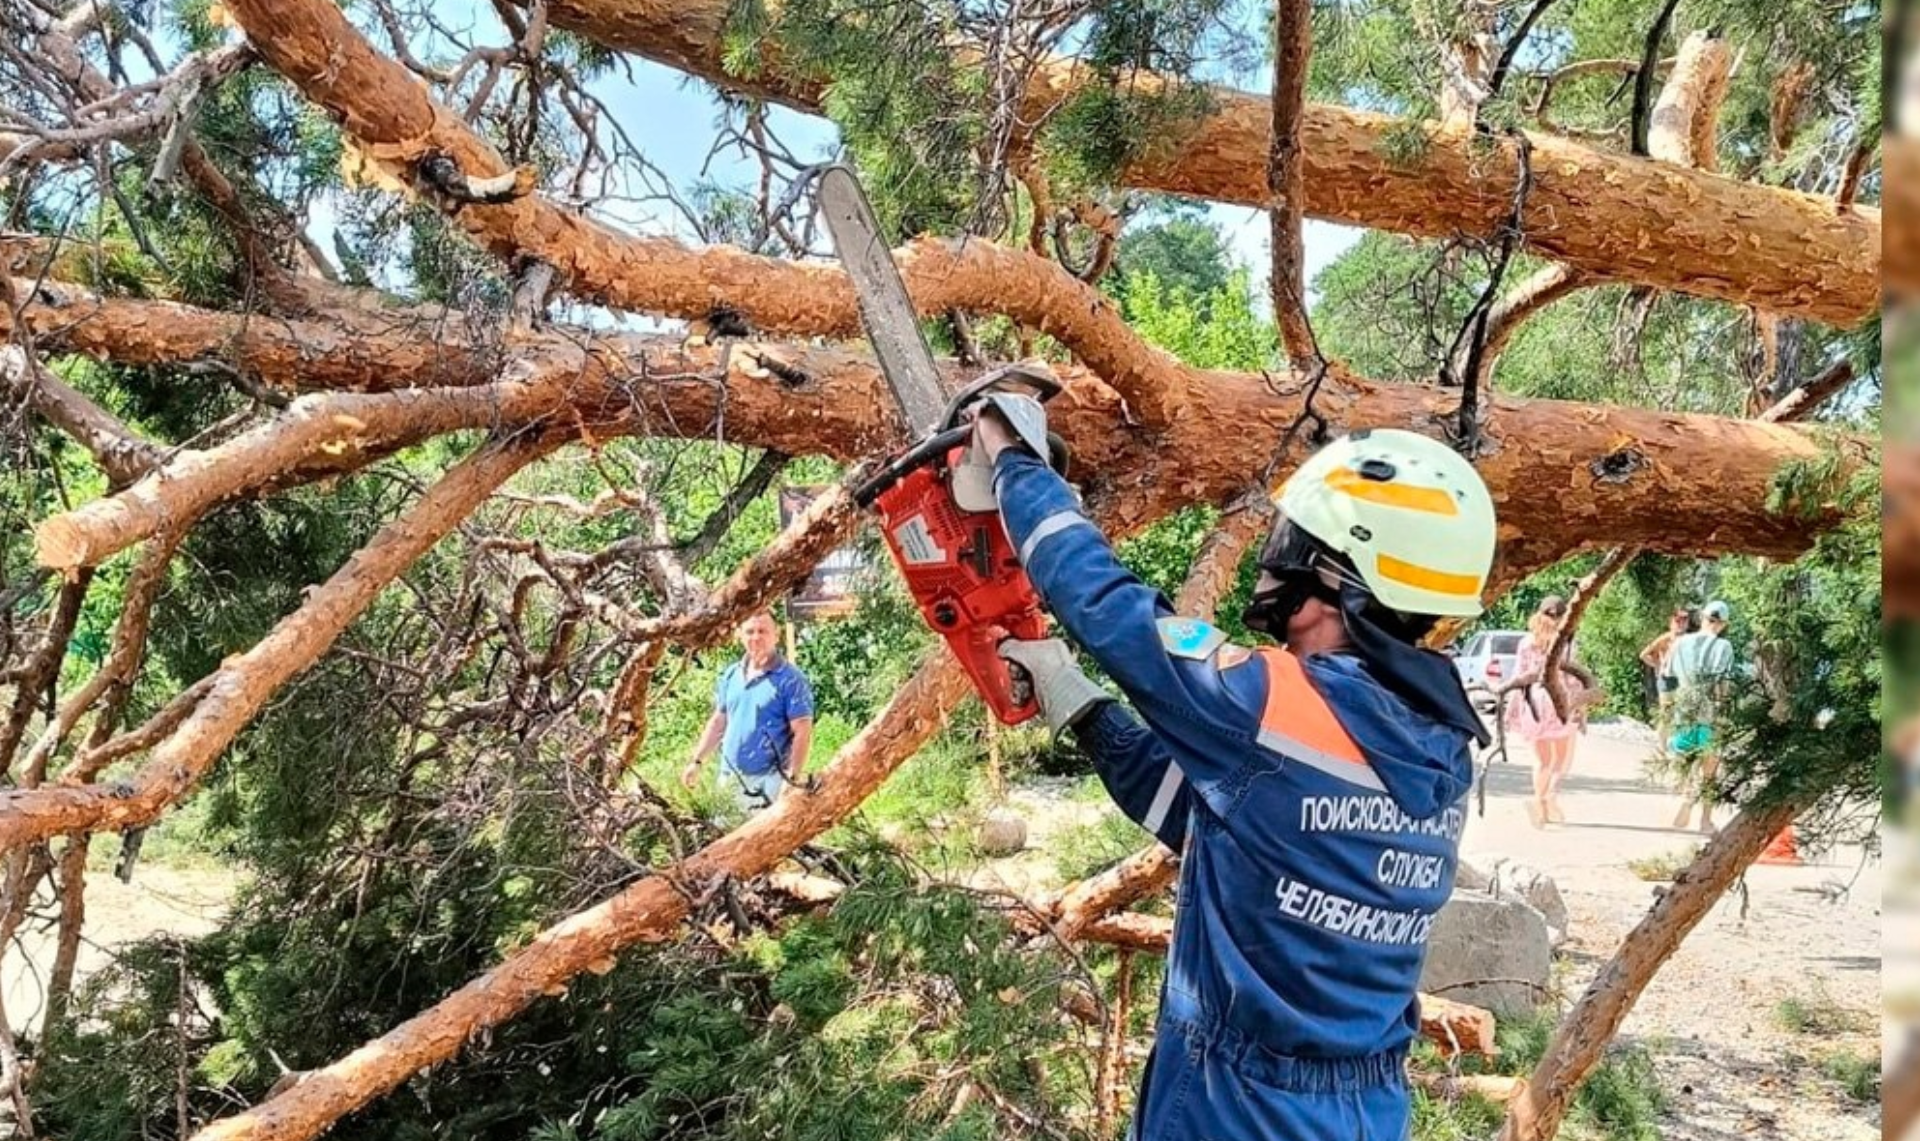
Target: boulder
x=1511, y=879
x=1489, y=952
x=1467, y=876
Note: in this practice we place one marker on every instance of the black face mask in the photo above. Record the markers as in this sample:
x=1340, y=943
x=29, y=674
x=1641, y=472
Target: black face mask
x=1422, y=678
x=1271, y=609
x=1292, y=557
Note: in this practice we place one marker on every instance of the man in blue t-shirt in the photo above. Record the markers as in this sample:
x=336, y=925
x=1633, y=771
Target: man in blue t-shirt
x=762, y=720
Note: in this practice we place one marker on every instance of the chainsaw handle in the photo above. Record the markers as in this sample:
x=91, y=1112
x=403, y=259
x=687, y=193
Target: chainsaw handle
x=896, y=469
x=1048, y=388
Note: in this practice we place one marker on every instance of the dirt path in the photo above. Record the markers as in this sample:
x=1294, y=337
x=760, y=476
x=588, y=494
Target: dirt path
x=160, y=899
x=1744, y=1020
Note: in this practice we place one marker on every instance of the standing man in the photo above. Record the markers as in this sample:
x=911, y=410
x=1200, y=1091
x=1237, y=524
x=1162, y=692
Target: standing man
x=1702, y=667
x=1316, y=791
x=762, y=720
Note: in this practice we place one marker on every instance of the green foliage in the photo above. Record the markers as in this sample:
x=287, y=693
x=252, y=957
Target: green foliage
x=1817, y=1014
x=1856, y=1072
x=1620, y=1101
x=837, y=1026
x=1184, y=254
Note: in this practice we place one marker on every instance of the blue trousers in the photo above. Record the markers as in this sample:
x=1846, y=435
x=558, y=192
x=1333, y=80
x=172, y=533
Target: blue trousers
x=1215, y=1086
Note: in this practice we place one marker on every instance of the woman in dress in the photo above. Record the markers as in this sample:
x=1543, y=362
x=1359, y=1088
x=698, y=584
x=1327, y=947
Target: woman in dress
x=1530, y=712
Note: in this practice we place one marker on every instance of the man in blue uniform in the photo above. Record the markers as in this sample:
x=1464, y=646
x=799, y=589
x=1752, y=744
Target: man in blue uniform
x=1316, y=791
x=762, y=720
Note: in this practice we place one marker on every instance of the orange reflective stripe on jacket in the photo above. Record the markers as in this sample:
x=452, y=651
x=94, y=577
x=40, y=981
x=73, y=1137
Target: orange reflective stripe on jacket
x=1298, y=723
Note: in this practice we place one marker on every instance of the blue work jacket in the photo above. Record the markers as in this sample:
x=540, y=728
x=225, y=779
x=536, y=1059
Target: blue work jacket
x=1318, y=819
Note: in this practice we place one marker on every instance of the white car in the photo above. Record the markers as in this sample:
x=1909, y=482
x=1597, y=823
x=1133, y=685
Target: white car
x=1486, y=662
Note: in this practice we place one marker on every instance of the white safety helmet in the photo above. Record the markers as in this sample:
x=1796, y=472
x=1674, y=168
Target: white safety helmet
x=1411, y=514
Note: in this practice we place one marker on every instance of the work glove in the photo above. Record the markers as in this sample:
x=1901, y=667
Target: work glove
x=1065, y=694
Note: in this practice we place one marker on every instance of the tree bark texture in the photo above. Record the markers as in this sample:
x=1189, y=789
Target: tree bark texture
x=1286, y=190
x=398, y=124
x=590, y=940
x=1683, y=126
x=1564, y=476
x=245, y=682
x=1581, y=1040
x=1617, y=217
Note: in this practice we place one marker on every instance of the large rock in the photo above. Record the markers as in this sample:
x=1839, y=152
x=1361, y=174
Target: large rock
x=1489, y=952
x=1467, y=876
x=1511, y=879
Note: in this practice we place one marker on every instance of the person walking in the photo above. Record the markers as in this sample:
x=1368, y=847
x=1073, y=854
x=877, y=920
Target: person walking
x=1702, y=665
x=1654, y=657
x=1531, y=714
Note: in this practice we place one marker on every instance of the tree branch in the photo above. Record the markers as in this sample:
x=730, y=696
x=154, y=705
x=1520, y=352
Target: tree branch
x=1603, y=213
x=246, y=681
x=752, y=486
x=121, y=454
x=1643, y=79
x=1293, y=37
x=1633, y=475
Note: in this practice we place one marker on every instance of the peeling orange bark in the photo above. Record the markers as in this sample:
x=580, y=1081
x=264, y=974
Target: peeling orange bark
x=394, y=120
x=1615, y=216
x=1564, y=476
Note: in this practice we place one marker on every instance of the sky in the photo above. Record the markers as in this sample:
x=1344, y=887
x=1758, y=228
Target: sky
x=675, y=120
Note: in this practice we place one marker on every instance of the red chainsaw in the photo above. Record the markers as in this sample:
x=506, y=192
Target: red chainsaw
x=957, y=561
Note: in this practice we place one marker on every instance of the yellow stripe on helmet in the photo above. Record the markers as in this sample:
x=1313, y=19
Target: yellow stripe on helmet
x=1427, y=578
x=1431, y=500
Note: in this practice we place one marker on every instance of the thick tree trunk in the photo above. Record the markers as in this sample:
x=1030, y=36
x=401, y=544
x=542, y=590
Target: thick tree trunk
x=590, y=940
x=246, y=681
x=1582, y=1038
x=1565, y=476
x=1614, y=216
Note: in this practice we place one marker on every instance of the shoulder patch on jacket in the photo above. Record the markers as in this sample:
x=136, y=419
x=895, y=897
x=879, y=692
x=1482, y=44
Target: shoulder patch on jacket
x=1190, y=638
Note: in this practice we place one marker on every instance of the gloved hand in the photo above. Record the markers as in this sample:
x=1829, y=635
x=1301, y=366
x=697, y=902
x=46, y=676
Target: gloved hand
x=1065, y=694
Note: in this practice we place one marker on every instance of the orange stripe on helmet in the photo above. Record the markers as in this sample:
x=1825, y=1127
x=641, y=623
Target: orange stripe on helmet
x=1427, y=578
x=1295, y=710
x=1432, y=500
